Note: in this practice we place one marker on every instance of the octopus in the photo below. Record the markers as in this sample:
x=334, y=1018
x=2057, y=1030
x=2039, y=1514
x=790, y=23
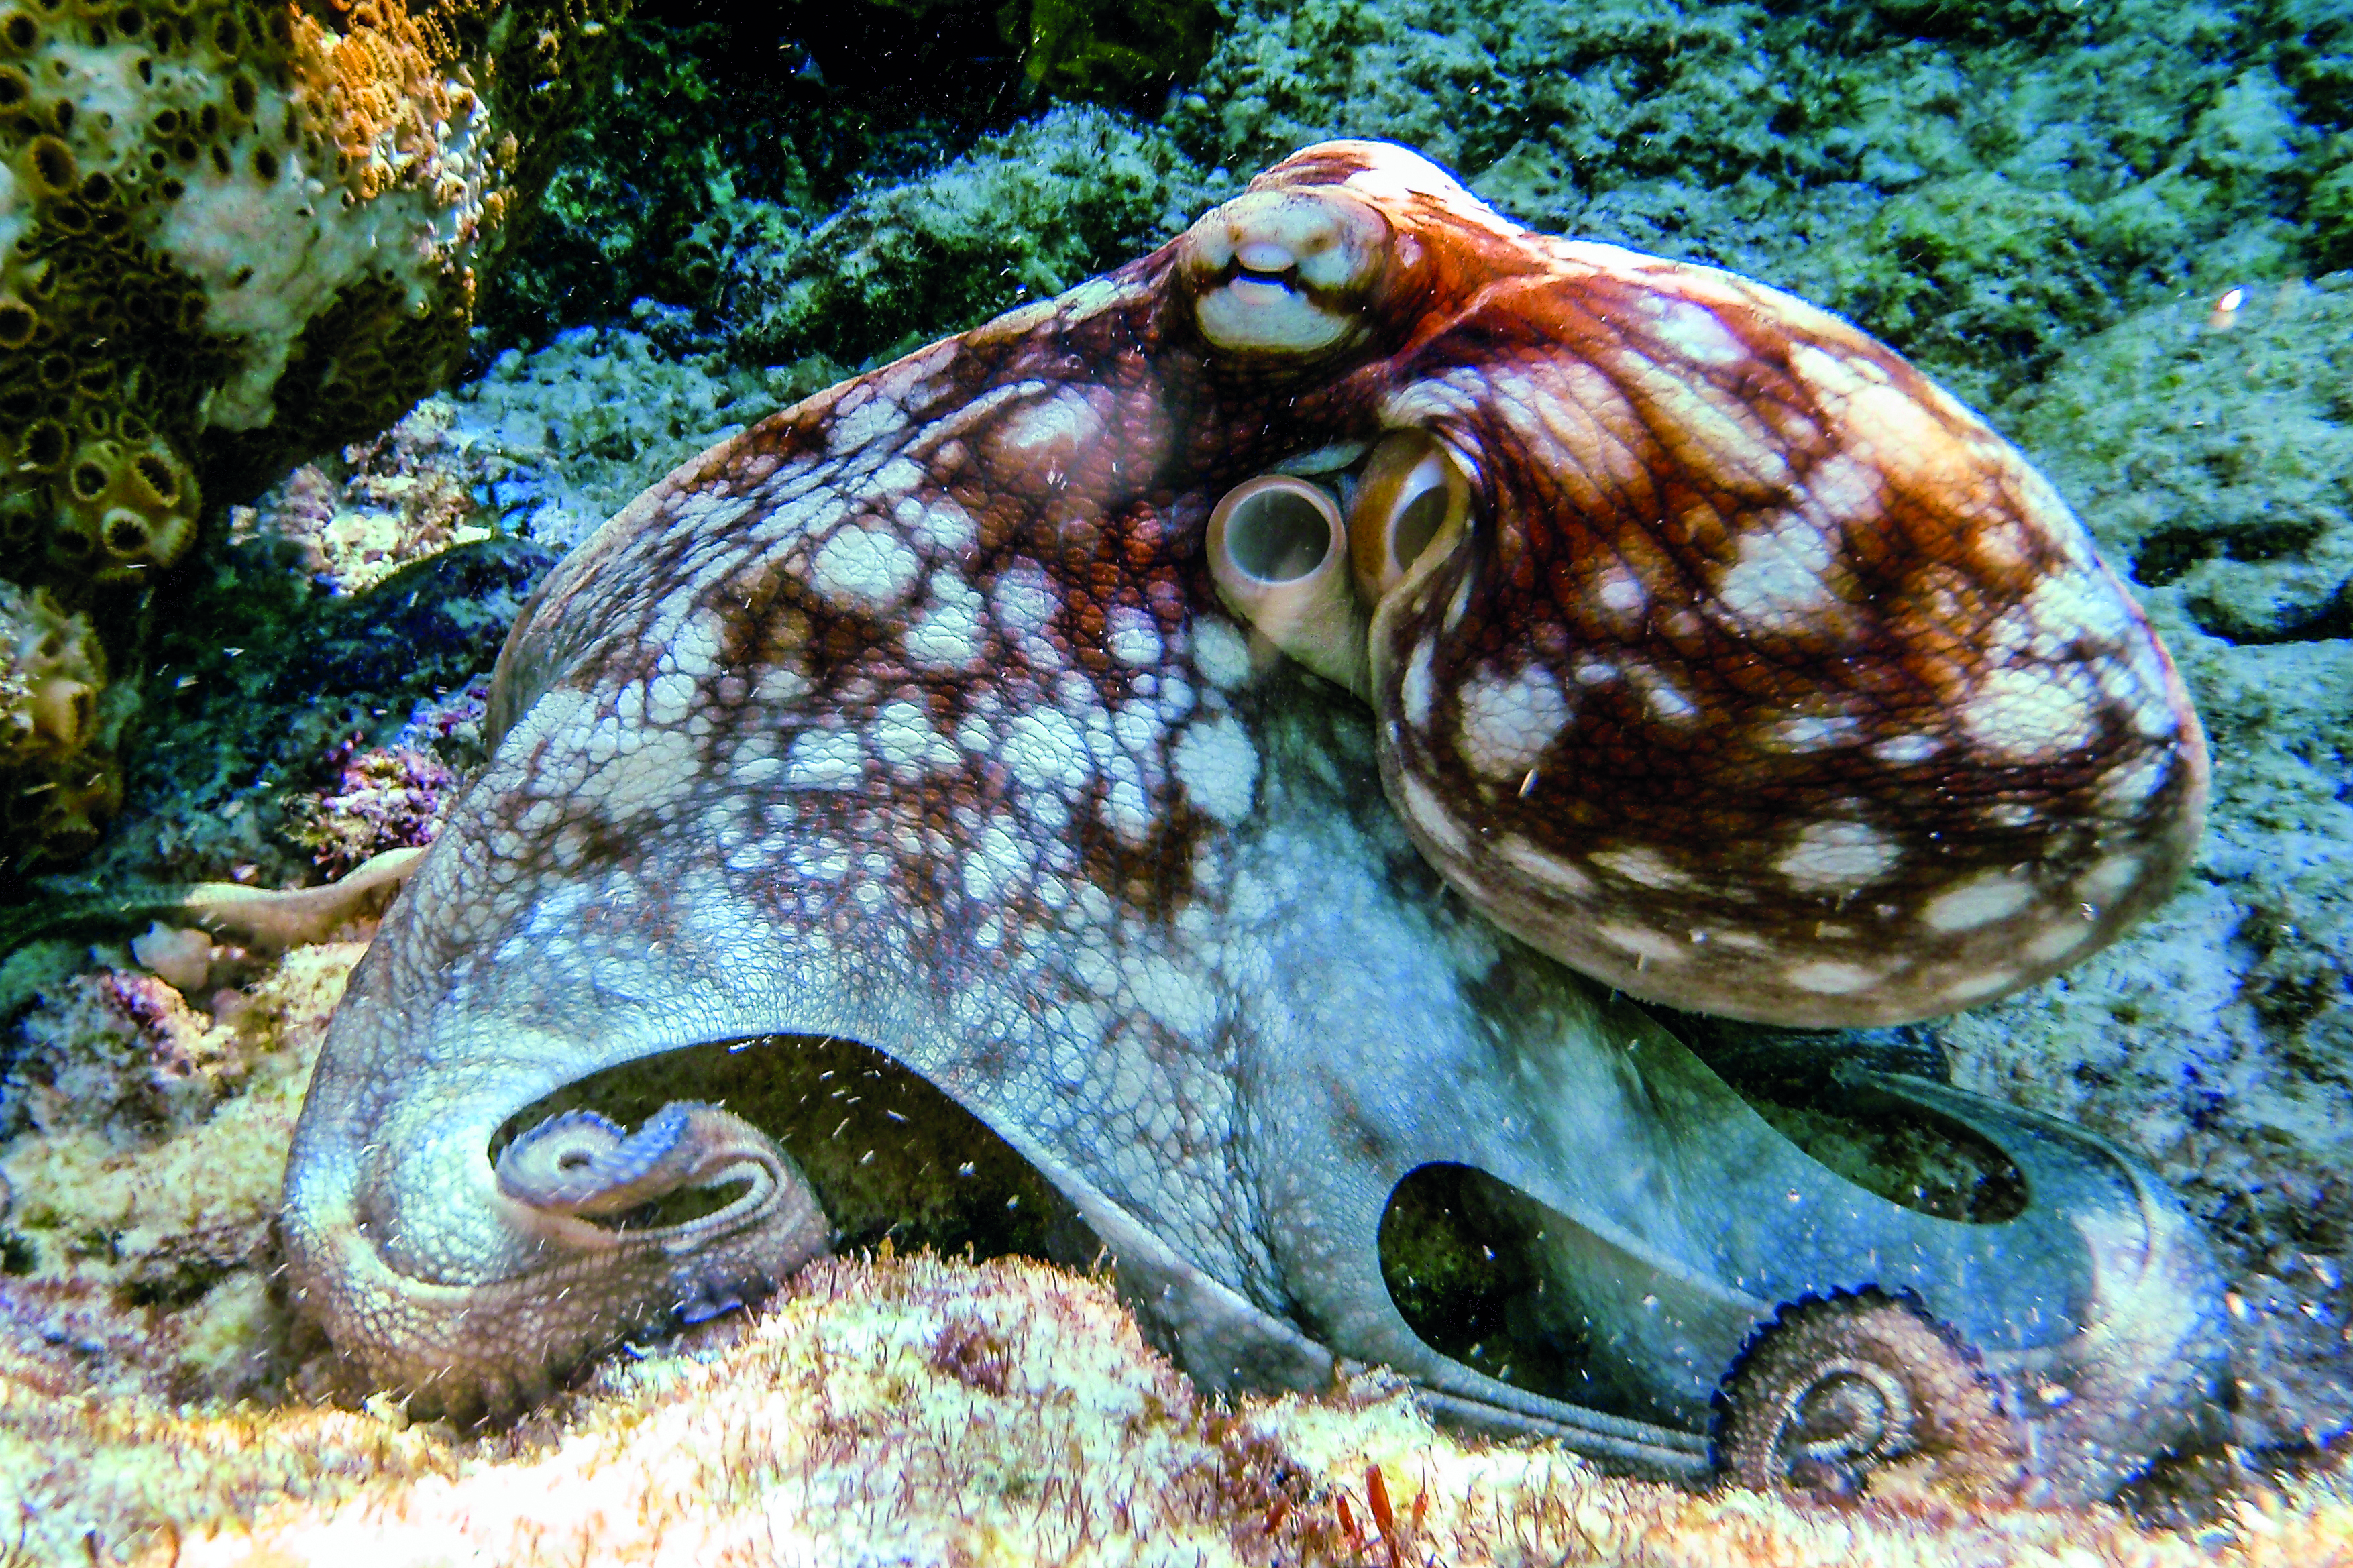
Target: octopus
x=1258, y=728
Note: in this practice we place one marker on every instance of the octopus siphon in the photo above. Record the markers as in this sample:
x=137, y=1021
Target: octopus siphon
x=1255, y=729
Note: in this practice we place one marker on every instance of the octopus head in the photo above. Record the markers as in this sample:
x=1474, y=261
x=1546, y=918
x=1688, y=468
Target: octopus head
x=1716, y=650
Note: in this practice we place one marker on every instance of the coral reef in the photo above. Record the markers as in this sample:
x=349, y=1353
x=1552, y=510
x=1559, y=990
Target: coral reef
x=703, y=134
x=899, y=1405
x=266, y=685
x=232, y=234
x=1105, y=49
x=121, y=1052
x=399, y=500
x=1990, y=187
x=55, y=670
x=1978, y=195
x=369, y=586
x=143, y=1193
x=543, y=444
x=723, y=140
x=554, y=441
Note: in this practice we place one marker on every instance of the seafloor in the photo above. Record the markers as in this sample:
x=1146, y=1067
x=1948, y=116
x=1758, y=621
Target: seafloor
x=2118, y=229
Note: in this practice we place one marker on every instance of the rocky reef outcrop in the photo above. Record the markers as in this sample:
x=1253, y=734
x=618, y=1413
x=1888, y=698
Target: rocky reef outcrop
x=233, y=234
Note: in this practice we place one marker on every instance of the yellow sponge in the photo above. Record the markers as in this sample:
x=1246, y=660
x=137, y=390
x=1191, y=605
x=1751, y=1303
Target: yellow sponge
x=233, y=234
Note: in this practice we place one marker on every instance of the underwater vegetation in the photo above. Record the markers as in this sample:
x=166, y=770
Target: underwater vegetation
x=62, y=782
x=2108, y=228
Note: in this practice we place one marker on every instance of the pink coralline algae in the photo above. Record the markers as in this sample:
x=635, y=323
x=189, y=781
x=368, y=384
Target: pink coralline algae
x=390, y=798
x=450, y=725
x=122, y=1051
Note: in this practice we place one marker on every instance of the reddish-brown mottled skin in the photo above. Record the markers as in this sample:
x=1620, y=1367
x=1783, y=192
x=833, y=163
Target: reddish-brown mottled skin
x=1761, y=677
x=1928, y=753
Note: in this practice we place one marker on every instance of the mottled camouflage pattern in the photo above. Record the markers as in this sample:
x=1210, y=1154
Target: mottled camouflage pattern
x=1764, y=680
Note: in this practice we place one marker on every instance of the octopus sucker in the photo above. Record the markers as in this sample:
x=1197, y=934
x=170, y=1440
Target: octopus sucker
x=1838, y=1386
x=1254, y=728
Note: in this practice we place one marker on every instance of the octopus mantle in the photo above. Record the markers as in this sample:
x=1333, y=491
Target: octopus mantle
x=1676, y=633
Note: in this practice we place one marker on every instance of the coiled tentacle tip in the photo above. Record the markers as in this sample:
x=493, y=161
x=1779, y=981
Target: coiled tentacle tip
x=1836, y=1386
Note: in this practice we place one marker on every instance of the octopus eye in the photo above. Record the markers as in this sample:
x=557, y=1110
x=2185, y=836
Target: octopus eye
x=1284, y=271
x=1412, y=494
x=1279, y=553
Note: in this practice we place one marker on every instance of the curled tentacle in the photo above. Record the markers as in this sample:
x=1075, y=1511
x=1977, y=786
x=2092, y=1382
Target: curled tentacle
x=579, y=1163
x=493, y=1335
x=1837, y=1387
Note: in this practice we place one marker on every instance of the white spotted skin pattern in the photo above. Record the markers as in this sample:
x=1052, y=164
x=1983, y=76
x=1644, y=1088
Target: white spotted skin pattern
x=905, y=701
x=910, y=715
x=1818, y=689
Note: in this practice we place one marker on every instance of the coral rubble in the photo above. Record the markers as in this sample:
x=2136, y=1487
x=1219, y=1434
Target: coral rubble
x=137, y=1242
x=121, y=1052
x=914, y=1410
x=389, y=798
x=346, y=609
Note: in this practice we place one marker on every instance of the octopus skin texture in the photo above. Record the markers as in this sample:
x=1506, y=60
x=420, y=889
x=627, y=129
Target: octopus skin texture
x=1642, y=620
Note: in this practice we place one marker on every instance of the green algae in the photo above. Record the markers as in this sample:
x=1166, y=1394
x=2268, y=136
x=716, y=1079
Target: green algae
x=698, y=134
x=1980, y=185
x=1977, y=189
x=654, y=151
x=1023, y=215
x=733, y=190
x=1110, y=50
